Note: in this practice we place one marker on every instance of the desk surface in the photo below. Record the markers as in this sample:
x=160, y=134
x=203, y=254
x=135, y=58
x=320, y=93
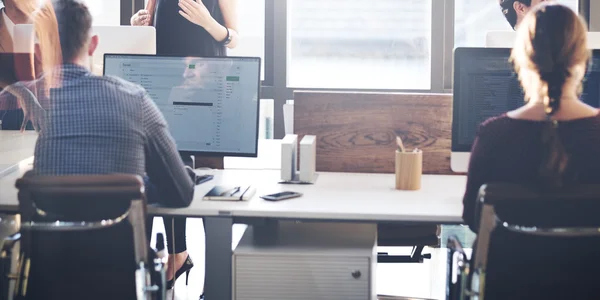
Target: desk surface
x=16, y=146
x=335, y=196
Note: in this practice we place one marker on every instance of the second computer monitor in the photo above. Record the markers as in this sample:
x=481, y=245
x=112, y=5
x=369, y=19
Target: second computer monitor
x=210, y=104
x=485, y=86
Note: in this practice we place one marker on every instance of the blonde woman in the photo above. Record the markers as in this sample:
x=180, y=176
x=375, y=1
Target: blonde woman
x=552, y=141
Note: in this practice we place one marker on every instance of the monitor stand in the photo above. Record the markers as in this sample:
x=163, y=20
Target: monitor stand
x=213, y=162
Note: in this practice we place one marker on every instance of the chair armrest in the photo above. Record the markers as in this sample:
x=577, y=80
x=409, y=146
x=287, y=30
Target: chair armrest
x=457, y=270
x=9, y=243
x=6, y=256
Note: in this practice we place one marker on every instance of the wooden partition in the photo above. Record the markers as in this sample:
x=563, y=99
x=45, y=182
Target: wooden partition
x=356, y=132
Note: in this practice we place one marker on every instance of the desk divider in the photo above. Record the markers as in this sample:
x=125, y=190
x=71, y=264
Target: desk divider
x=357, y=131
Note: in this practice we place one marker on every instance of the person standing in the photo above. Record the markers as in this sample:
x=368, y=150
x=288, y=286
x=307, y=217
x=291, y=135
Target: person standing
x=14, y=68
x=191, y=28
x=515, y=10
x=202, y=28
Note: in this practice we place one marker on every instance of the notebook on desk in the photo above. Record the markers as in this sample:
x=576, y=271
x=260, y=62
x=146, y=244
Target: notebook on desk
x=230, y=193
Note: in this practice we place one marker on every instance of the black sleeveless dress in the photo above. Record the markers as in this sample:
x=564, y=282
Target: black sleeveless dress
x=175, y=35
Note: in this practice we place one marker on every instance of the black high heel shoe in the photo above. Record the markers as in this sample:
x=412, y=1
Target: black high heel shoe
x=187, y=266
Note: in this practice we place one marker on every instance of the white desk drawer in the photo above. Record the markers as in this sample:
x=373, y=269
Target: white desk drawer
x=276, y=277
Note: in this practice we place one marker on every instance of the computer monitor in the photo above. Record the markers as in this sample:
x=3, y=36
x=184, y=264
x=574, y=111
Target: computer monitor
x=122, y=40
x=112, y=39
x=211, y=104
x=485, y=86
x=506, y=39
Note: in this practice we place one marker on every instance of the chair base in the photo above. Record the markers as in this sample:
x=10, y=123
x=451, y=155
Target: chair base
x=416, y=256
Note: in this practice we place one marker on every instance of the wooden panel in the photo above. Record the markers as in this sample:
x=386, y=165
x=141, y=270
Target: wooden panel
x=356, y=131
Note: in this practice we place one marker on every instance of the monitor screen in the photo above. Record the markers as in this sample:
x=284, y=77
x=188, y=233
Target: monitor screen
x=485, y=86
x=210, y=104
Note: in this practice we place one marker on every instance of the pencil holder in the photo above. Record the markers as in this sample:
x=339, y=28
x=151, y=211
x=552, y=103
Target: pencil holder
x=409, y=167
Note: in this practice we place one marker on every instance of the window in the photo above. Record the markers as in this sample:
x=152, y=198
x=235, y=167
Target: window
x=377, y=44
x=251, y=27
x=105, y=12
x=474, y=18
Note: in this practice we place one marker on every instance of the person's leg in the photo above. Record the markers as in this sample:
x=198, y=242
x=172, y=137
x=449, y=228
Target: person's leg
x=174, y=231
x=179, y=260
x=175, y=228
x=151, y=197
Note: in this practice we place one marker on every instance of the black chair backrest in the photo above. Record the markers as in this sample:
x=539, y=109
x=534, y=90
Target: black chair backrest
x=85, y=263
x=543, y=244
x=525, y=205
x=78, y=198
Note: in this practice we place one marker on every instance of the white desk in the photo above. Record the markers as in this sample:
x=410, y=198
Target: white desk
x=335, y=196
x=16, y=146
x=368, y=198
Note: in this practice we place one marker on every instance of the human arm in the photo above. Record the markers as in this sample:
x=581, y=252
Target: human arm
x=164, y=166
x=477, y=176
x=198, y=14
x=140, y=18
x=144, y=17
x=32, y=109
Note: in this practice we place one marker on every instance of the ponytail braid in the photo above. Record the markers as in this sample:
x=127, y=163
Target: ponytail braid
x=551, y=46
x=554, y=159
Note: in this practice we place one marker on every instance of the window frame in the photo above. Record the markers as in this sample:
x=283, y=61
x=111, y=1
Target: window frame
x=275, y=84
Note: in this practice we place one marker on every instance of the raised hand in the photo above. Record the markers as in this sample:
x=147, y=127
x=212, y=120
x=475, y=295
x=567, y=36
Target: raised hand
x=196, y=13
x=141, y=18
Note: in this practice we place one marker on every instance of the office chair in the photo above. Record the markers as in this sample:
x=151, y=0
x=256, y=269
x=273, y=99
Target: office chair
x=81, y=237
x=531, y=244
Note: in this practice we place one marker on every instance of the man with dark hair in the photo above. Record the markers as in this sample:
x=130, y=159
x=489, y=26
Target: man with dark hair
x=96, y=125
x=117, y=126
x=516, y=10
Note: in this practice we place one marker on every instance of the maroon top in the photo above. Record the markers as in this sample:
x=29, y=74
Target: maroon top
x=508, y=150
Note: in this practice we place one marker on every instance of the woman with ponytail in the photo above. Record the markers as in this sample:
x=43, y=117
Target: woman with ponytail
x=554, y=139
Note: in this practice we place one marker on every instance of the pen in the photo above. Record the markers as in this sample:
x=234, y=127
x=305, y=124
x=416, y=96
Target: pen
x=231, y=192
x=400, y=144
x=237, y=189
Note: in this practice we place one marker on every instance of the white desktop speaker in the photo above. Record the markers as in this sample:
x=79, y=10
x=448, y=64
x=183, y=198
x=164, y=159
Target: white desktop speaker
x=308, y=158
x=289, y=152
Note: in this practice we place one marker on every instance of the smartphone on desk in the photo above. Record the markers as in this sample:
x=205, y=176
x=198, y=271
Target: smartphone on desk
x=281, y=196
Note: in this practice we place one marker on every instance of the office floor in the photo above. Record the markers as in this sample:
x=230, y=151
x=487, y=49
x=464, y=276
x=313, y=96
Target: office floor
x=426, y=280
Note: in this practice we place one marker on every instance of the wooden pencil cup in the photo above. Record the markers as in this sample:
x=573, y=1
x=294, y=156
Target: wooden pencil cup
x=409, y=167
